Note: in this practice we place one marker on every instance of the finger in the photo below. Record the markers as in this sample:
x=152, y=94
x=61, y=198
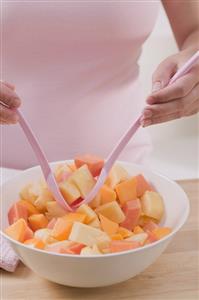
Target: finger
x=163, y=74
x=8, y=115
x=161, y=119
x=178, y=89
x=9, y=97
x=9, y=85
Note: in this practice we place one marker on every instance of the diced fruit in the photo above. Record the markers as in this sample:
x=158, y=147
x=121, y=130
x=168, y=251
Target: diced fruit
x=16, y=212
x=90, y=251
x=151, y=237
x=28, y=234
x=138, y=229
x=140, y=237
x=144, y=220
x=142, y=185
x=152, y=205
x=95, y=223
x=87, y=235
x=59, y=247
x=86, y=210
x=72, y=167
x=108, y=226
x=150, y=226
x=69, y=191
x=83, y=180
x=54, y=210
x=94, y=163
x=51, y=224
x=45, y=235
x=107, y=195
x=125, y=233
x=161, y=232
x=62, y=172
x=96, y=201
x=132, y=211
x=44, y=197
x=30, y=193
x=119, y=246
x=29, y=206
x=76, y=248
x=17, y=230
x=116, y=236
x=112, y=211
x=75, y=217
x=126, y=190
x=37, y=221
x=116, y=175
x=61, y=230
x=35, y=243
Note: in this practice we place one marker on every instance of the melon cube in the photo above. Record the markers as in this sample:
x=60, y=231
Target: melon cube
x=142, y=185
x=150, y=226
x=69, y=191
x=87, y=235
x=83, y=180
x=37, y=221
x=116, y=176
x=116, y=237
x=59, y=247
x=62, y=172
x=119, y=246
x=96, y=201
x=90, y=250
x=137, y=229
x=17, y=230
x=86, y=210
x=161, y=232
x=107, y=194
x=30, y=192
x=95, y=223
x=54, y=210
x=61, y=229
x=126, y=190
x=140, y=237
x=29, y=206
x=112, y=211
x=75, y=217
x=45, y=235
x=152, y=205
x=125, y=233
x=108, y=226
x=17, y=211
x=35, y=243
x=44, y=197
x=94, y=163
x=132, y=211
x=28, y=234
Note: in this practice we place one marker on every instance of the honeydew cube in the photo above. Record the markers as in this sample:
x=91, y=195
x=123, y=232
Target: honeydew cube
x=116, y=175
x=45, y=235
x=83, y=180
x=86, y=210
x=87, y=235
x=152, y=205
x=69, y=191
x=111, y=211
x=140, y=237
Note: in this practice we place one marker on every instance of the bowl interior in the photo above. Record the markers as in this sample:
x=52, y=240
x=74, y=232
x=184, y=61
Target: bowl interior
x=175, y=200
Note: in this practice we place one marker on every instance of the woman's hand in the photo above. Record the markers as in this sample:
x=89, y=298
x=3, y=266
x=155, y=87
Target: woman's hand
x=11, y=100
x=178, y=100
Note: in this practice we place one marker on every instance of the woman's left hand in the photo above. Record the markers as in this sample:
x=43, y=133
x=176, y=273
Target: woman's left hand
x=178, y=100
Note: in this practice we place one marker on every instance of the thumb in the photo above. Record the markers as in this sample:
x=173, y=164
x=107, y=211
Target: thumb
x=163, y=74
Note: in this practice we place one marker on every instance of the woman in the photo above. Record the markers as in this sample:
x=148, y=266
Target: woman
x=74, y=66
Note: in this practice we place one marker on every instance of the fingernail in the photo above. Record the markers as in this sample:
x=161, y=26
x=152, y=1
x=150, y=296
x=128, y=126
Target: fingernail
x=147, y=113
x=156, y=86
x=146, y=122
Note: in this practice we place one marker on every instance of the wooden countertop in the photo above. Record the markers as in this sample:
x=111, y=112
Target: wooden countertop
x=175, y=275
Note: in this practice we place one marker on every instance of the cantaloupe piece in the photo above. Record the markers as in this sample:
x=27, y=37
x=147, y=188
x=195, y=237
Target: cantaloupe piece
x=87, y=235
x=112, y=211
x=59, y=247
x=17, y=211
x=30, y=192
x=140, y=238
x=126, y=190
x=116, y=176
x=125, y=233
x=95, y=223
x=83, y=180
x=54, y=210
x=35, y=243
x=37, y=221
x=132, y=211
x=107, y=194
x=161, y=232
x=76, y=248
x=62, y=172
x=61, y=229
x=152, y=205
x=94, y=163
x=143, y=220
x=75, y=217
x=30, y=207
x=52, y=222
x=17, y=230
x=44, y=197
x=44, y=234
x=107, y=225
x=119, y=246
x=150, y=226
x=142, y=185
x=116, y=237
x=28, y=233
x=69, y=191
x=96, y=201
x=86, y=210
x=151, y=237
x=138, y=229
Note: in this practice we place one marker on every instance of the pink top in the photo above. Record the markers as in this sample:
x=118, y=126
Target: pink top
x=74, y=65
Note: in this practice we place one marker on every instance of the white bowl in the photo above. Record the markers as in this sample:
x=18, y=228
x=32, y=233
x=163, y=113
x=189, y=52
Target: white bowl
x=104, y=270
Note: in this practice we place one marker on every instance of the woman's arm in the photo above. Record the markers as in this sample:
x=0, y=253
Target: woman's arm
x=180, y=99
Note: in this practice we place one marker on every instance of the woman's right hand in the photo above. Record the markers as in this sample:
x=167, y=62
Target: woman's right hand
x=11, y=100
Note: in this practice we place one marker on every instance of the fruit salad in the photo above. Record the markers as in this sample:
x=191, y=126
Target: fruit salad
x=124, y=215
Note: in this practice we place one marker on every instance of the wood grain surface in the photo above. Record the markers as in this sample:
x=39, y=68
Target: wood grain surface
x=175, y=275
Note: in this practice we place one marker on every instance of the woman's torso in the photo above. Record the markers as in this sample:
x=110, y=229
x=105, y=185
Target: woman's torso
x=75, y=68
